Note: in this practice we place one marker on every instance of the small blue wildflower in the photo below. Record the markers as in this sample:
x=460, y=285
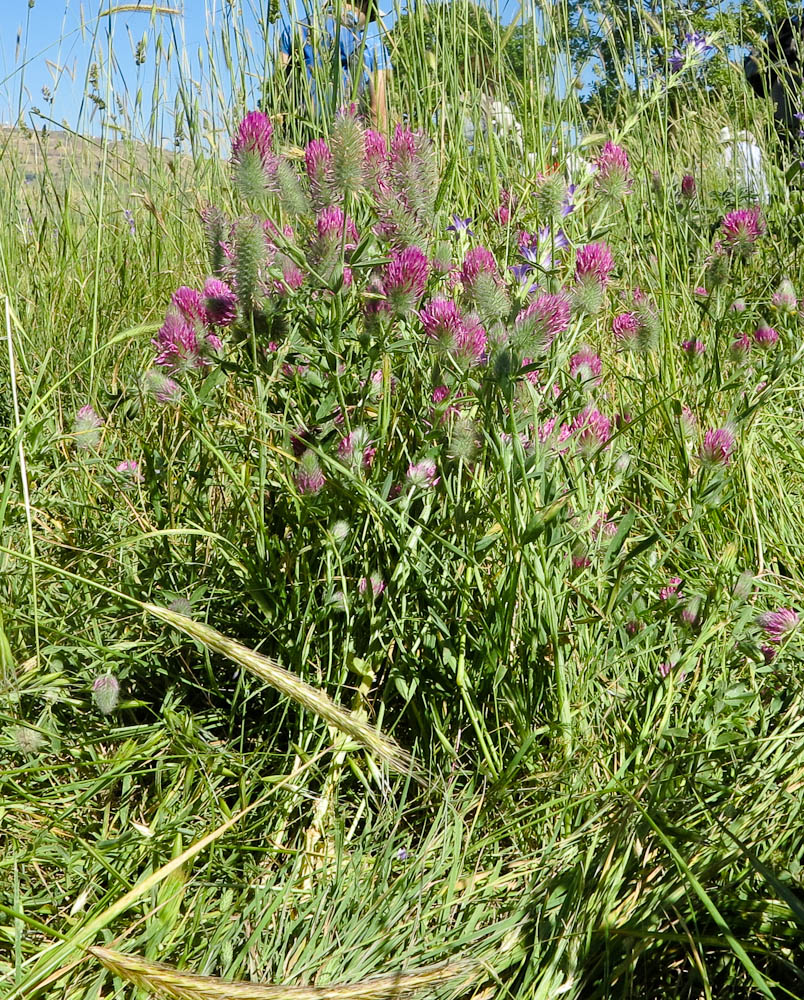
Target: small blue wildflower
x=129, y=216
x=402, y=854
x=460, y=225
x=520, y=271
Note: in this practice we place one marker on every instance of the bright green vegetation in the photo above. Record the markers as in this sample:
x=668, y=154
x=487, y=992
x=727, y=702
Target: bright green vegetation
x=604, y=799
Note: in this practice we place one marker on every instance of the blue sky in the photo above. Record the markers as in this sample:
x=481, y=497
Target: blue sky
x=53, y=43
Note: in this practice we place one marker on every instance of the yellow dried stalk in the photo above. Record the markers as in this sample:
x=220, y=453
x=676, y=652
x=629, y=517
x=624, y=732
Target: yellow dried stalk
x=163, y=979
x=293, y=687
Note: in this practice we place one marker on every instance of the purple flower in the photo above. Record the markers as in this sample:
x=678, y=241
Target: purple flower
x=423, y=474
x=765, y=336
x=129, y=217
x=538, y=248
x=106, y=693
x=693, y=347
x=190, y=305
x=309, y=477
x=520, y=272
x=442, y=321
x=405, y=278
x=694, y=47
x=330, y=225
x=373, y=585
x=740, y=231
x=539, y=323
x=778, y=624
x=177, y=345
x=130, y=469
x=592, y=431
x=784, y=298
x=613, y=172
x=319, y=165
x=375, y=156
x=625, y=326
x=219, y=303
x=741, y=347
x=254, y=135
x=87, y=428
x=671, y=590
x=470, y=343
x=478, y=261
x=586, y=365
x=688, y=187
x=460, y=225
x=717, y=448
x=163, y=388
x=594, y=261
x=356, y=449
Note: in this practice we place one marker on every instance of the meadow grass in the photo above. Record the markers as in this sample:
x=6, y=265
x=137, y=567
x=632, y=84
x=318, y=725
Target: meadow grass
x=532, y=766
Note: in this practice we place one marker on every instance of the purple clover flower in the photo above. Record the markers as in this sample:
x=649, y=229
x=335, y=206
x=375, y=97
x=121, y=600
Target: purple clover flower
x=778, y=624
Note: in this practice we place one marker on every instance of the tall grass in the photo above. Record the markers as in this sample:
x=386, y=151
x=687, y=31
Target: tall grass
x=581, y=820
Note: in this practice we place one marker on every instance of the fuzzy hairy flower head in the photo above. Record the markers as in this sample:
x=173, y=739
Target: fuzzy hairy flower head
x=586, y=365
x=689, y=425
x=470, y=343
x=550, y=195
x=778, y=624
x=625, y=326
x=348, y=153
x=87, y=428
x=181, y=606
x=130, y=469
x=718, y=446
x=309, y=477
x=671, y=590
x=106, y=693
x=765, y=336
x=740, y=231
x=594, y=261
x=591, y=429
x=784, y=298
x=163, y=388
x=688, y=187
x=219, y=303
x=478, y=261
x=693, y=347
x=190, y=305
x=405, y=278
x=373, y=585
x=442, y=321
x=28, y=740
x=423, y=474
x=741, y=347
x=318, y=163
x=463, y=440
x=613, y=172
x=538, y=325
x=177, y=345
x=356, y=449
x=254, y=135
x=330, y=225
x=375, y=157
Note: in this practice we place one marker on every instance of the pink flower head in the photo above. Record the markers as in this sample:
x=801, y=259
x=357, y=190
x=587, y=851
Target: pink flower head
x=671, y=590
x=356, y=448
x=741, y=229
x=442, y=321
x=87, y=428
x=701, y=292
x=470, y=342
x=586, y=365
x=404, y=280
x=375, y=159
x=318, y=161
x=784, y=298
x=542, y=321
x=177, y=345
x=106, y=693
x=373, y=585
x=254, y=135
x=741, y=347
x=439, y=394
x=309, y=477
x=688, y=187
x=592, y=430
x=625, y=326
x=594, y=261
x=130, y=469
x=190, y=304
x=219, y=303
x=330, y=225
x=613, y=171
x=163, y=388
x=765, y=336
x=478, y=261
x=423, y=474
x=778, y=624
x=717, y=448
x=688, y=422
x=693, y=347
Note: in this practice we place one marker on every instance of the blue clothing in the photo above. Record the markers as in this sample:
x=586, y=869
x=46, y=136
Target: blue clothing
x=362, y=53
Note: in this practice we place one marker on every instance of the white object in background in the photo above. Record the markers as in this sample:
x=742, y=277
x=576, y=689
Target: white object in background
x=741, y=159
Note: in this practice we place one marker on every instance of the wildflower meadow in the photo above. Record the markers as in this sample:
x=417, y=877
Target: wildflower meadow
x=402, y=550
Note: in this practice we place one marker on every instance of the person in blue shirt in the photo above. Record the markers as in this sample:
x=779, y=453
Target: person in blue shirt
x=340, y=58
